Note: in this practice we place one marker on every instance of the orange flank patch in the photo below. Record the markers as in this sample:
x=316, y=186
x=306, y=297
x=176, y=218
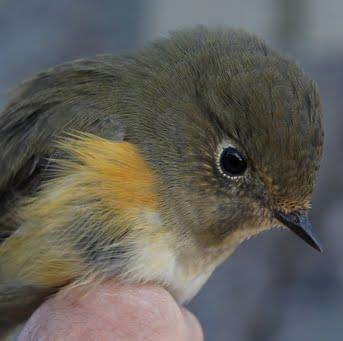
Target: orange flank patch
x=102, y=189
x=114, y=171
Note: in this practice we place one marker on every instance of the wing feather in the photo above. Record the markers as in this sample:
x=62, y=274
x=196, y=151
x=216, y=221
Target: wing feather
x=74, y=96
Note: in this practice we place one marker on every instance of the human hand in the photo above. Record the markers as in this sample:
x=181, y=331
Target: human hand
x=112, y=311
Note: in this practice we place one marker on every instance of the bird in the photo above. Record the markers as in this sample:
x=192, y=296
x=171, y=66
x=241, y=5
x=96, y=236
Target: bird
x=152, y=166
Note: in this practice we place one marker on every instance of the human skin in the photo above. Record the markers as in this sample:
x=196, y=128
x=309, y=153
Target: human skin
x=112, y=311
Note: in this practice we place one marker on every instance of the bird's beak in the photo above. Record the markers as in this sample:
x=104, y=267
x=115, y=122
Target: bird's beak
x=300, y=224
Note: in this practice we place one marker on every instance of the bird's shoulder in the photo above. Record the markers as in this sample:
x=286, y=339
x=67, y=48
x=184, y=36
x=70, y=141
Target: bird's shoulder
x=71, y=97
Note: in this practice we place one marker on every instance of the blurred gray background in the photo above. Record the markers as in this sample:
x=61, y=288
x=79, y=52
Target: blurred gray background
x=274, y=288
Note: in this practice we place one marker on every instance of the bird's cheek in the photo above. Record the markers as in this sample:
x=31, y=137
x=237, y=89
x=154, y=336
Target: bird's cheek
x=223, y=223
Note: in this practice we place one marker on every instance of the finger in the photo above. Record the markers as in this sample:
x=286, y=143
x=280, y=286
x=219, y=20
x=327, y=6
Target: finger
x=112, y=311
x=193, y=330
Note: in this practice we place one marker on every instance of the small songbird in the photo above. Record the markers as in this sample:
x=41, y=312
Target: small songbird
x=152, y=167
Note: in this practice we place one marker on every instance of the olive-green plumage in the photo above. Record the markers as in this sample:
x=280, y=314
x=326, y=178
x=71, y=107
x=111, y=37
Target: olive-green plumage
x=173, y=108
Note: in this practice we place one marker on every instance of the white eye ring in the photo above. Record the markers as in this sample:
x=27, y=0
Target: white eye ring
x=230, y=162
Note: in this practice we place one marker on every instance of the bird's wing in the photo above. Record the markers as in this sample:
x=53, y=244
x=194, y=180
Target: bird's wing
x=72, y=96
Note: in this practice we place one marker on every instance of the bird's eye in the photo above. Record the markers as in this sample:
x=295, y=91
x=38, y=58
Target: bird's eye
x=232, y=162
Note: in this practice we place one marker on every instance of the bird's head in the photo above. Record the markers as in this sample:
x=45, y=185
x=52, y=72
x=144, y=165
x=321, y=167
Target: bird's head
x=233, y=132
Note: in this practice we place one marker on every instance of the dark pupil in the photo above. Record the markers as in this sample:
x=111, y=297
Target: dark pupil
x=232, y=162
